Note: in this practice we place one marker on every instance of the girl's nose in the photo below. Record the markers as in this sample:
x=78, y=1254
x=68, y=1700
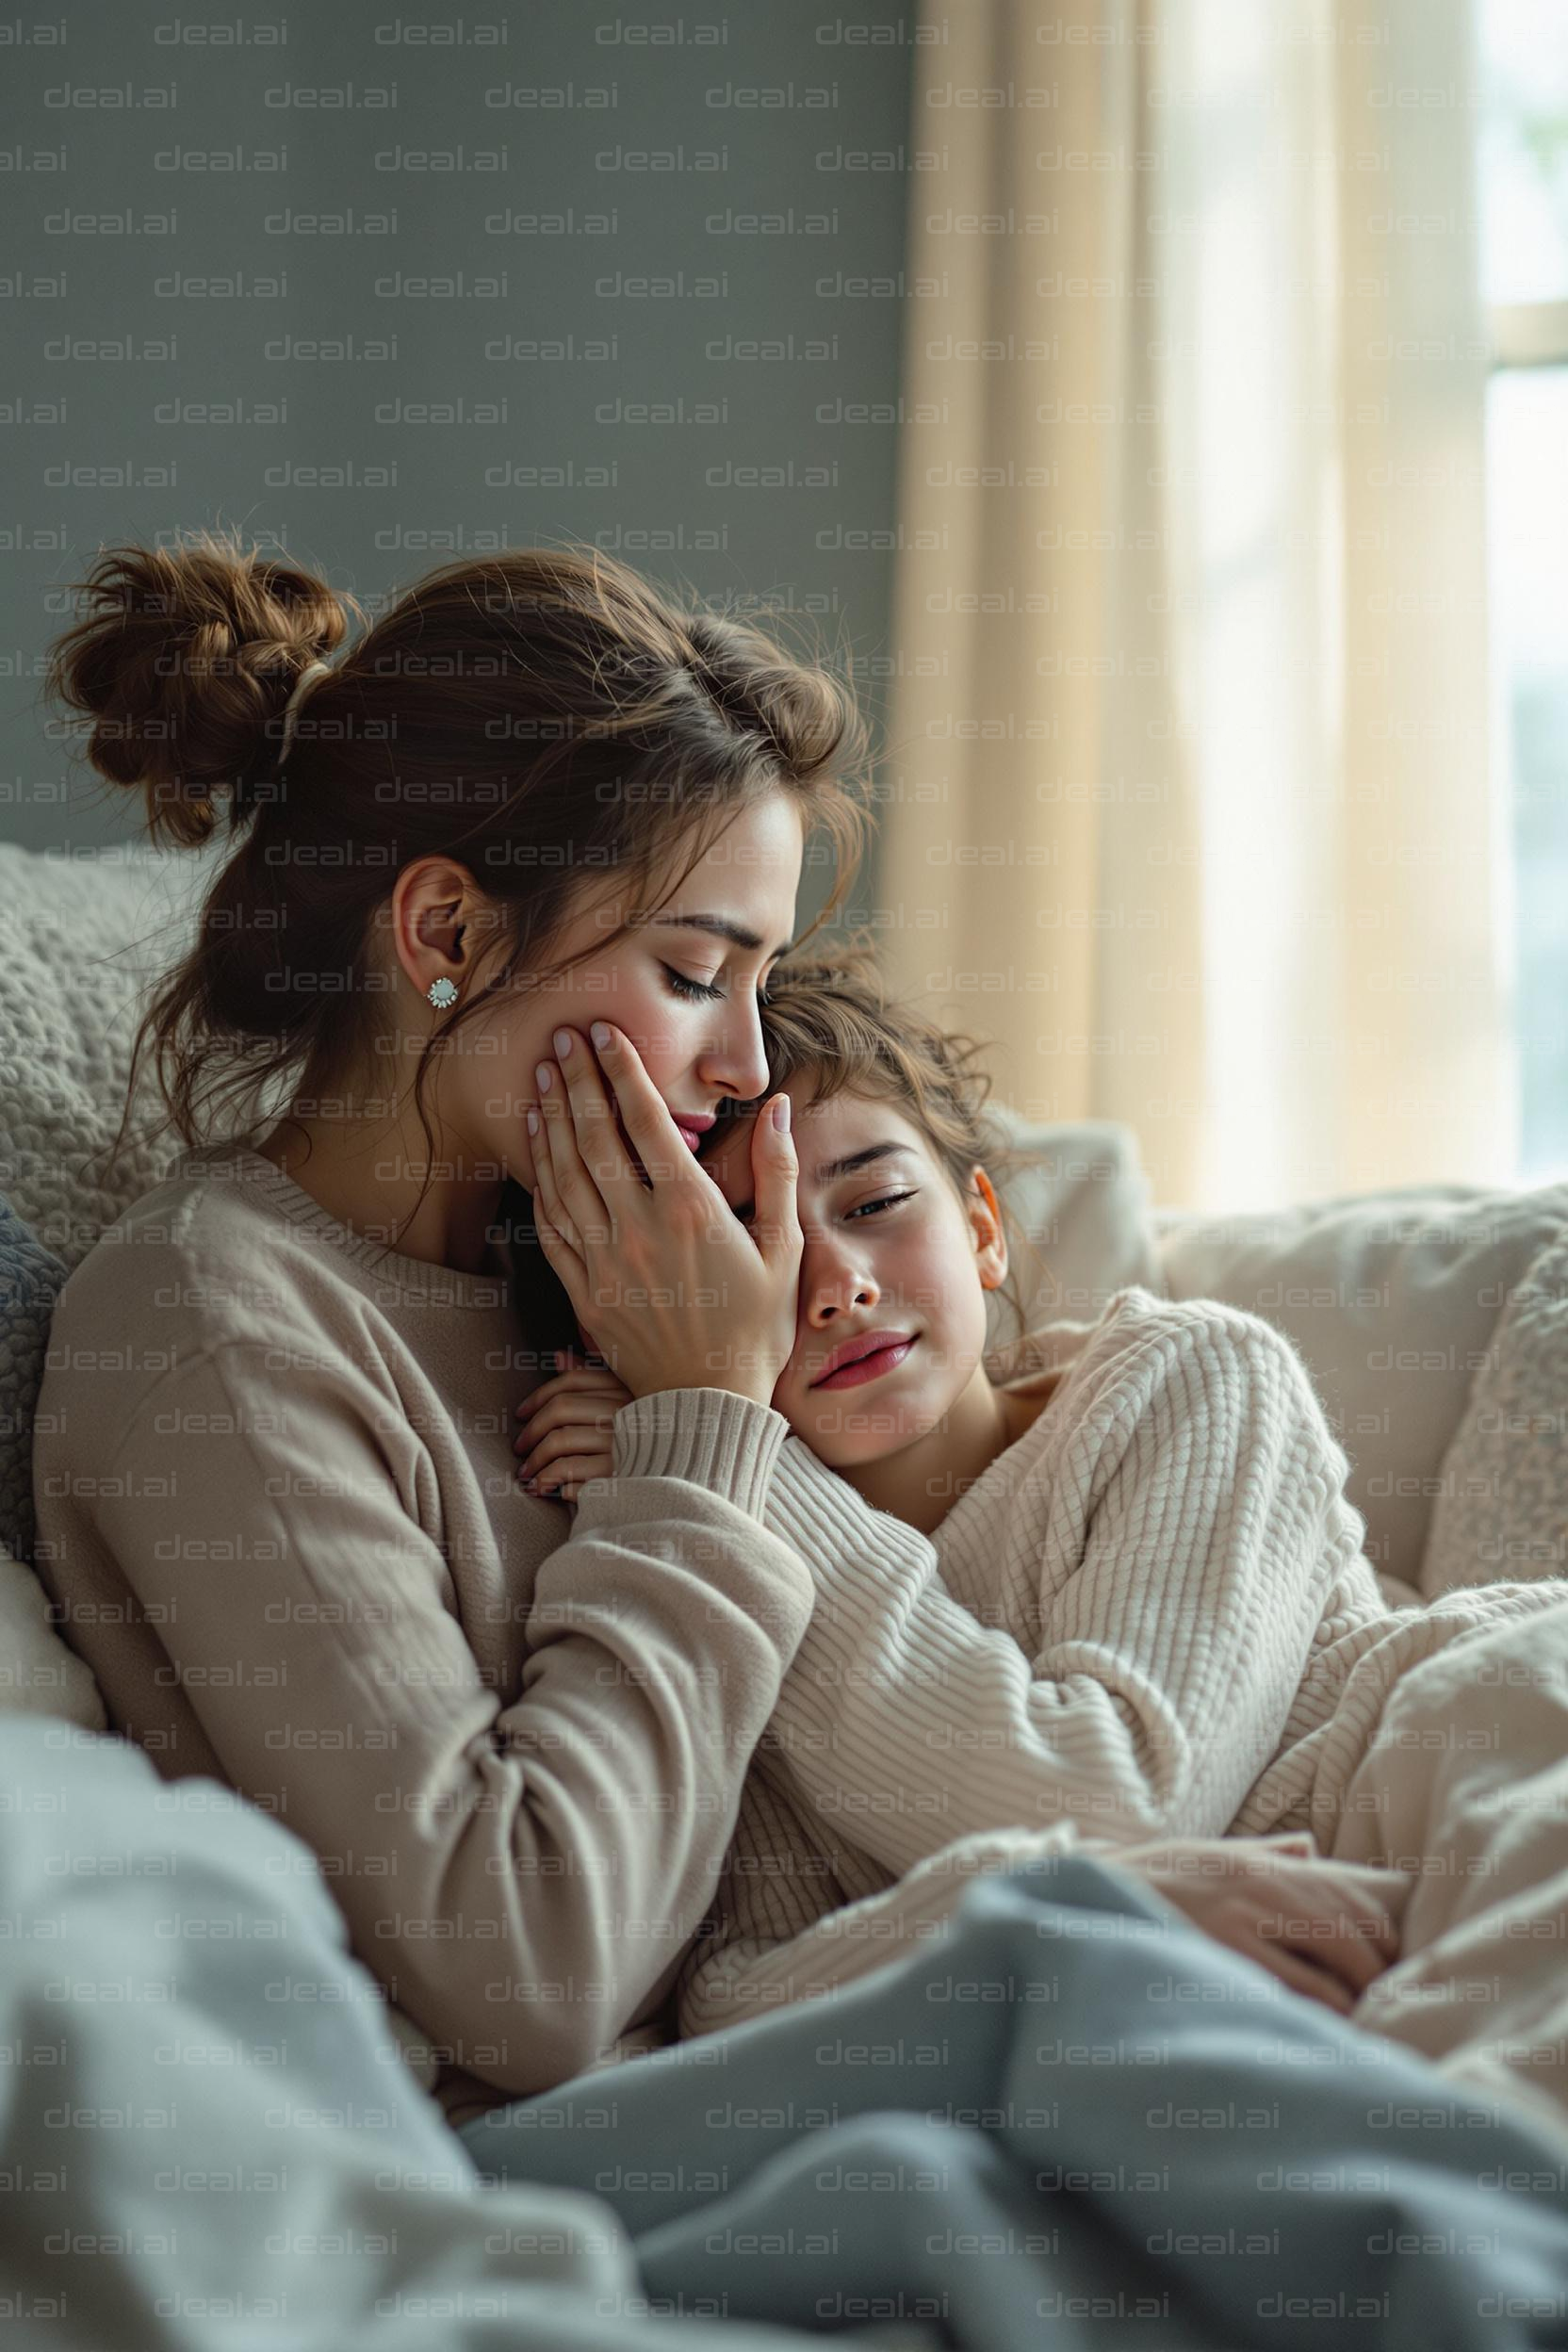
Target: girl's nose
x=835, y=1290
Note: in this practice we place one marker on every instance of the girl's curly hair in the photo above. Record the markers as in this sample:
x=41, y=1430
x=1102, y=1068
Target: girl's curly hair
x=828, y=1018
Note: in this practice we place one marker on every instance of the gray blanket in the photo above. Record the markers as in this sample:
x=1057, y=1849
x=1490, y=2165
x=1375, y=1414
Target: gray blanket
x=1072, y=2120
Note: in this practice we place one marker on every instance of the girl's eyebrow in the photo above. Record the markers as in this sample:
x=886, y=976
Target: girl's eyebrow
x=832, y=1170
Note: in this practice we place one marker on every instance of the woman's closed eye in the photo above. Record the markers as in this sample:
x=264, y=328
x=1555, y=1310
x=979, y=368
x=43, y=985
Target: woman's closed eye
x=697, y=991
x=692, y=991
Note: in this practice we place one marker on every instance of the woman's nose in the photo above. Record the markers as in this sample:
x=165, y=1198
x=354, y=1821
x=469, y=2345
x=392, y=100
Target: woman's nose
x=736, y=1063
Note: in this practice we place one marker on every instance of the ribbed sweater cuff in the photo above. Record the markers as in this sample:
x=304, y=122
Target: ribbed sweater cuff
x=720, y=1441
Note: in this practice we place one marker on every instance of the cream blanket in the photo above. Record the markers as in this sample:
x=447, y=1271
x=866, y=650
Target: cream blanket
x=1465, y=1791
x=1151, y=1618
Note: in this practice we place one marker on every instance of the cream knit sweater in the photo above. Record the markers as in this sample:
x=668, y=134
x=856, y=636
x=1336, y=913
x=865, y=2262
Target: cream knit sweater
x=1151, y=1616
x=277, y=1512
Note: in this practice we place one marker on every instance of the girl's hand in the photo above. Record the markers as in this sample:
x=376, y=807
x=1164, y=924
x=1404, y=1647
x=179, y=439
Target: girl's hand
x=1324, y=1928
x=566, y=1437
x=676, y=1292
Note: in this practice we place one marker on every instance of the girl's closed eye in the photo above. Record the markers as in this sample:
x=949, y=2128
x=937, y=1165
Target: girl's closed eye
x=867, y=1208
x=889, y=1200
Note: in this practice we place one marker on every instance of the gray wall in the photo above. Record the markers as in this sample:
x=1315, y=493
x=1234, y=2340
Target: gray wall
x=210, y=247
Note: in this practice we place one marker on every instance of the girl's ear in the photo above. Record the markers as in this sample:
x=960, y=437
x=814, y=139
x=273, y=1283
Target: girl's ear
x=985, y=1217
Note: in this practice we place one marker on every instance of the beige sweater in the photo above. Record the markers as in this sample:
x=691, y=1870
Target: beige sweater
x=277, y=1513
x=1151, y=1616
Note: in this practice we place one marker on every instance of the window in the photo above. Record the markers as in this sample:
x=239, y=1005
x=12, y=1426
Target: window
x=1523, y=118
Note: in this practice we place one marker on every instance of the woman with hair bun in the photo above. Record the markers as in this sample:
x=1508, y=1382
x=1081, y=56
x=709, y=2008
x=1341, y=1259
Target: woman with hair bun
x=535, y=795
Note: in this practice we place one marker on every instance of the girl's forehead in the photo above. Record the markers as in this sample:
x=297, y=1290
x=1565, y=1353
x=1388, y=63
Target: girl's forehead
x=826, y=1130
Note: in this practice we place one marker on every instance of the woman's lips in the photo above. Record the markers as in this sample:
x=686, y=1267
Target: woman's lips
x=866, y=1367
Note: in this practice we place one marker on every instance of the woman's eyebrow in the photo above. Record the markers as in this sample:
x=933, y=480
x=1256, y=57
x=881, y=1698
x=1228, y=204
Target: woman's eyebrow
x=721, y=925
x=831, y=1170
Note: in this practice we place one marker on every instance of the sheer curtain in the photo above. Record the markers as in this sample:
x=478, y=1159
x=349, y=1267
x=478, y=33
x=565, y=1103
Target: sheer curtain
x=1188, y=783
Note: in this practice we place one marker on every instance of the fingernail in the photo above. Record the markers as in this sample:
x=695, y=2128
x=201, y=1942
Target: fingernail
x=532, y=1118
x=781, y=1114
x=543, y=1075
x=600, y=1034
x=562, y=1043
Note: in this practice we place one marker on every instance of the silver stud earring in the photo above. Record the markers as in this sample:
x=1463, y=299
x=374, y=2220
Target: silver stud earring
x=441, y=993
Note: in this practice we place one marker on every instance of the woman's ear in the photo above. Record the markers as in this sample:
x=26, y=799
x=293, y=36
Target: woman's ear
x=985, y=1217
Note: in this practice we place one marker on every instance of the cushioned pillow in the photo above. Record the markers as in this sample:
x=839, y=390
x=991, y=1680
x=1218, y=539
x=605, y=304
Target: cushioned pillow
x=83, y=938
x=1391, y=1300
x=32, y=1279
x=86, y=939
x=1502, y=1510
x=1082, y=1197
x=37, y=1672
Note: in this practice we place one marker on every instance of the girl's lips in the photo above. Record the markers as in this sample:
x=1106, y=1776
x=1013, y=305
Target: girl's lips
x=866, y=1367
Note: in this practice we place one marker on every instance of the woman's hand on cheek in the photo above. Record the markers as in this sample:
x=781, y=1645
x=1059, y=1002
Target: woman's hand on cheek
x=678, y=1292
x=567, y=1433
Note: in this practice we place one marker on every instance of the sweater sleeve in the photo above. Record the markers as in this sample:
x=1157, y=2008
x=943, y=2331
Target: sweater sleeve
x=754, y=1967
x=1204, y=1533
x=776, y=1881
x=521, y=1871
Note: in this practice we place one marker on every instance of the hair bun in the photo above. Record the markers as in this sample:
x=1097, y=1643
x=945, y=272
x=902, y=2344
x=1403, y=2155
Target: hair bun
x=184, y=662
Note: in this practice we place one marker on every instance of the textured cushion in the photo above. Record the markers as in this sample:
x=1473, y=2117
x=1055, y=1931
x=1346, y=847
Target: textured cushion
x=1082, y=1197
x=1393, y=1302
x=85, y=939
x=1502, y=1510
x=37, y=1672
x=31, y=1280
x=82, y=940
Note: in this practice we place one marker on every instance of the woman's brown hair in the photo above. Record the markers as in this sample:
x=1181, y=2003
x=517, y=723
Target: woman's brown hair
x=829, y=1019
x=545, y=717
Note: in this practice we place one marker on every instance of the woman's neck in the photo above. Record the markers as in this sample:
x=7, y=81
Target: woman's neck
x=369, y=1182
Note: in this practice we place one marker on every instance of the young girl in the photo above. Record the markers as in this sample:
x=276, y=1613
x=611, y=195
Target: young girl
x=1118, y=1595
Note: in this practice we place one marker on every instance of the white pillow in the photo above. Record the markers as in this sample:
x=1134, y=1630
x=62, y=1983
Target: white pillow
x=1082, y=1197
x=1503, y=1509
x=85, y=939
x=39, y=1673
x=1393, y=1301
